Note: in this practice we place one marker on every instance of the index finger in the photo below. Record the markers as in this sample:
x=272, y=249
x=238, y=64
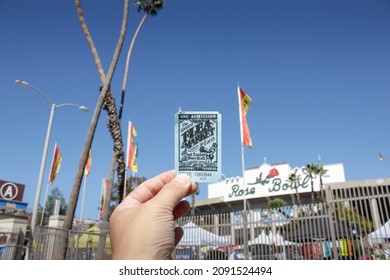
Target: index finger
x=148, y=189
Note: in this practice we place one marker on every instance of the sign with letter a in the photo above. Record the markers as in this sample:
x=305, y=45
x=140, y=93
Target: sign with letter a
x=11, y=191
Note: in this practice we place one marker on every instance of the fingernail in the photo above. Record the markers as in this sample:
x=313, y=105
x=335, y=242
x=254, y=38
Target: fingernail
x=182, y=178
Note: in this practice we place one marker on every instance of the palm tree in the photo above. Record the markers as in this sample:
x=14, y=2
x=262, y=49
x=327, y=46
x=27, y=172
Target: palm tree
x=149, y=7
x=274, y=205
x=310, y=170
x=106, y=80
x=293, y=178
x=321, y=172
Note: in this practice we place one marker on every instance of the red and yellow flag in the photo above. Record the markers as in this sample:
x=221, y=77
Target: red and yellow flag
x=245, y=101
x=87, y=167
x=55, y=164
x=131, y=149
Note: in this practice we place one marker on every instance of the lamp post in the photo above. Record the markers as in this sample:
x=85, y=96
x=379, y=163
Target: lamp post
x=53, y=107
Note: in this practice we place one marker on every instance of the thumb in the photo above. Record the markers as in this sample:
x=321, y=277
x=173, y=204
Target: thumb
x=173, y=192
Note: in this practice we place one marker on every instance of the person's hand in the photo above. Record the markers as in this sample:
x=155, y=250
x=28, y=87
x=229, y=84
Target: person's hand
x=143, y=225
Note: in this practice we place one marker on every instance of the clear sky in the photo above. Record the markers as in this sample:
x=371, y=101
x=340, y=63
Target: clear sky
x=317, y=72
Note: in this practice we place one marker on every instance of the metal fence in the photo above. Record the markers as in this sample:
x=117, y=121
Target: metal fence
x=12, y=245
x=46, y=243
x=306, y=232
x=91, y=244
x=353, y=223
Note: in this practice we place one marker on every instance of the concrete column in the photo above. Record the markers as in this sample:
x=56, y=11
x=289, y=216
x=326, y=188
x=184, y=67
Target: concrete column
x=375, y=213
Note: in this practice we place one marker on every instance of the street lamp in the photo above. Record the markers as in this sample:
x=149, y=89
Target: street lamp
x=44, y=155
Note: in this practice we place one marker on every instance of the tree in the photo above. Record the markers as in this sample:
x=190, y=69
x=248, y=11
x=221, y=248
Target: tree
x=149, y=7
x=350, y=214
x=276, y=203
x=54, y=195
x=310, y=170
x=293, y=178
x=106, y=80
x=321, y=172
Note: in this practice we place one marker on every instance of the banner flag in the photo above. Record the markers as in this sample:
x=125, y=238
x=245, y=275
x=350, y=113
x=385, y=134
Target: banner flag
x=245, y=101
x=135, y=159
x=105, y=197
x=55, y=164
x=131, y=149
x=87, y=168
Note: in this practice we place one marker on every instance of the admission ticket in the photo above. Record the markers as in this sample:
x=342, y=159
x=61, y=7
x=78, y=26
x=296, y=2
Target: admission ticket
x=198, y=145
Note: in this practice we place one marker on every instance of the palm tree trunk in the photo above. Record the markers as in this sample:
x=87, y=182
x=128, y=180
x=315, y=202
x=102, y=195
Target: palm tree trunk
x=89, y=40
x=107, y=207
x=130, y=51
x=312, y=189
x=124, y=83
x=321, y=188
x=92, y=128
x=114, y=127
x=193, y=204
x=297, y=194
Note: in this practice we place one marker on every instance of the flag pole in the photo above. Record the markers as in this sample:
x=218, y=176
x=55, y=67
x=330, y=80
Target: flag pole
x=87, y=169
x=242, y=144
x=44, y=203
x=127, y=157
x=132, y=151
x=244, y=216
x=381, y=159
x=83, y=198
x=47, y=186
x=124, y=185
x=100, y=201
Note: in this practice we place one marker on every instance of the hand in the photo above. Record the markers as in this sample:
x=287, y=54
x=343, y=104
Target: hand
x=143, y=225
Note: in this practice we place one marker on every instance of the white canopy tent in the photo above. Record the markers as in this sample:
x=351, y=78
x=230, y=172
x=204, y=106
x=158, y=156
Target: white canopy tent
x=380, y=235
x=262, y=238
x=270, y=239
x=197, y=236
x=278, y=239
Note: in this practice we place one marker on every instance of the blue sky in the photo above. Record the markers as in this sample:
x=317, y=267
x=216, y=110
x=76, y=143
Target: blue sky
x=317, y=72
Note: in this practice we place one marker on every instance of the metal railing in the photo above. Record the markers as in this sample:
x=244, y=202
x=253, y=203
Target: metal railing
x=12, y=246
x=91, y=244
x=353, y=223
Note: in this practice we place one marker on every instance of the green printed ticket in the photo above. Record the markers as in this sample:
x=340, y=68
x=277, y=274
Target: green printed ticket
x=198, y=145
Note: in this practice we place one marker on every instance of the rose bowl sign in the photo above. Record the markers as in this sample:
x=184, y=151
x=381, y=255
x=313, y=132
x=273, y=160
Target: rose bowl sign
x=272, y=180
x=11, y=191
